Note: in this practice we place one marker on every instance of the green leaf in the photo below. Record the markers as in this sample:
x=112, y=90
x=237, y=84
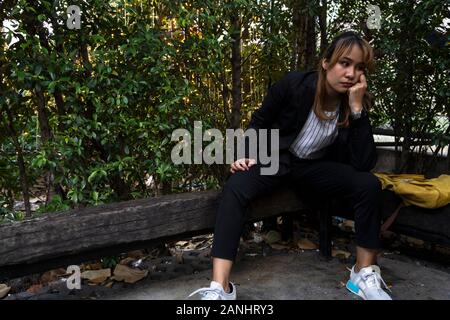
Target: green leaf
x=38, y=69
x=20, y=75
x=31, y=9
x=9, y=38
x=73, y=195
x=92, y=176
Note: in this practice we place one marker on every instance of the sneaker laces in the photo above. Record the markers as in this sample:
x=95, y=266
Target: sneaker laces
x=208, y=293
x=373, y=279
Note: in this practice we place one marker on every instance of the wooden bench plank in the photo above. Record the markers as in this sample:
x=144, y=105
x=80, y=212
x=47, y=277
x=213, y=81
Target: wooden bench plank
x=56, y=239
x=86, y=230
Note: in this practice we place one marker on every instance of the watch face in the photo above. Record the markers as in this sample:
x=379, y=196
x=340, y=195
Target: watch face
x=356, y=115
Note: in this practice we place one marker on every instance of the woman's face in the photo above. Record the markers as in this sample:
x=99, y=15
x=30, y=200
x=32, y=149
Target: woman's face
x=346, y=72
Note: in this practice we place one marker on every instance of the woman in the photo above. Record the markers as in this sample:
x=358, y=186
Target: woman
x=326, y=145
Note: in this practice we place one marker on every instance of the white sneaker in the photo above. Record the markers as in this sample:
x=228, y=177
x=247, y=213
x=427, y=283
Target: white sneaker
x=216, y=292
x=366, y=283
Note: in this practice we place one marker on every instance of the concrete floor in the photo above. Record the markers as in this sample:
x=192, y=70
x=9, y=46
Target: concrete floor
x=264, y=273
x=301, y=276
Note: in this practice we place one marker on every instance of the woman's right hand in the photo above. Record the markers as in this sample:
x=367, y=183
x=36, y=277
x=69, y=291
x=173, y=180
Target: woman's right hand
x=243, y=164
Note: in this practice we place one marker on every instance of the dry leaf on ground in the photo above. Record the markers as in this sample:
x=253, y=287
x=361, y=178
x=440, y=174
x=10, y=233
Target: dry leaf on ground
x=280, y=246
x=91, y=266
x=4, y=289
x=52, y=275
x=340, y=254
x=306, y=244
x=127, y=274
x=201, y=244
x=181, y=243
x=96, y=276
x=179, y=257
x=414, y=241
x=272, y=237
x=34, y=288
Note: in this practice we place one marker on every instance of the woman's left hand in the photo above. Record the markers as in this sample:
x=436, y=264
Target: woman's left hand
x=356, y=94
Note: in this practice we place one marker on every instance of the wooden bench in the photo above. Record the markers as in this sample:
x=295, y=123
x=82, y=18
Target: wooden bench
x=431, y=225
x=64, y=238
x=60, y=239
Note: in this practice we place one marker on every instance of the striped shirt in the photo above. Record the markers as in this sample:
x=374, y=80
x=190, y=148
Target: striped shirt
x=315, y=136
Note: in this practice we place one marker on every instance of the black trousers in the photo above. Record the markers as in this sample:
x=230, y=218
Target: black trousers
x=323, y=178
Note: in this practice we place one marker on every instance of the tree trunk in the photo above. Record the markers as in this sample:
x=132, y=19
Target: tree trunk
x=236, y=70
x=304, y=40
x=403, y=89
x=35, y=28
x=21, y=163
x=225, y=97
x=59, y=102
x=246, y=64
x=60, y=108
x=87, y=73
x=46, y=135
x=310, y=59
x=323, y=27
x=44, y=126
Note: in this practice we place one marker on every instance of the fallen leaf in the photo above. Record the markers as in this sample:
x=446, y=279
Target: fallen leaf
x=181, y=243
x=93, y=266
x=341, y=240
x=109, y=284
x=414, y=241
x=340, y=254
x=34, y=200
x=90, y=266
x=272, y=236
x=306, y=244
x=127, y=274
x=4, y=289
x=34, y=288
x=179, y=257
x=442, y=249
x=200, y=244
x=52, y=275
x=279, y=246
x=96, y=276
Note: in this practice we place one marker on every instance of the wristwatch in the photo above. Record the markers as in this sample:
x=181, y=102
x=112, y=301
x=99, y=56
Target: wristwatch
x=357, y=115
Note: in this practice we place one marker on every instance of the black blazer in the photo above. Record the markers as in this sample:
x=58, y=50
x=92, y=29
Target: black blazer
x=286, y=107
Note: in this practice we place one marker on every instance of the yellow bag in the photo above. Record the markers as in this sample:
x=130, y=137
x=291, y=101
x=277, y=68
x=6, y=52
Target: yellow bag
x=414, y=189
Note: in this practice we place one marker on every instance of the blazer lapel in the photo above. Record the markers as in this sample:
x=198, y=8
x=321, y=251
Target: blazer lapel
x=305, y=98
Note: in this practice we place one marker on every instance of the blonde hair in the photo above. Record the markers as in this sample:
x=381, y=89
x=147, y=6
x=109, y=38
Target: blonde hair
x=340, y=46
